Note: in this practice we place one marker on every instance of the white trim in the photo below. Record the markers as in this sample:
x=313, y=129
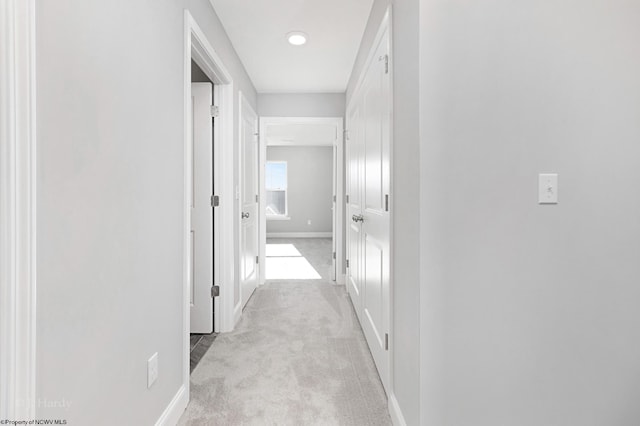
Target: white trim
x=387, y=22
x=186, y=212
x=174, y=410
x=266, y=121
x=17, y=210
x=338, y=177
x=299, y=235
x=298, y=120
x=395, y=412
x=277, y=217
x=198, y=48
x=338, y=235
x=262, y=236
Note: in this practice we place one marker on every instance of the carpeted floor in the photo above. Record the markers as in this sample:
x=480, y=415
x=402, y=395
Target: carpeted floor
x=297, y=357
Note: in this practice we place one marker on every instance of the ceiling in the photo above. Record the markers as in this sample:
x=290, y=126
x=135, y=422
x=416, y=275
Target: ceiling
x=257, y=30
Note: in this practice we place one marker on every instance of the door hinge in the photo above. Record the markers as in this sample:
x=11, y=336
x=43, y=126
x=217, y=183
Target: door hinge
x=385, y=58
x=345, y=132
x=347, y=262
x=215, y=201
x=334, y=254
x=257, y=198
x=386, y=202
x=347, y=197
x=215, y=291
x=386, y=341
x=334, y=198
x=257, y=259
x=215, y=111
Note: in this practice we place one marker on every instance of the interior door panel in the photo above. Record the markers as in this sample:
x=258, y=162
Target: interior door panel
x=368, y=186
x=201, y=209
x=249, y=204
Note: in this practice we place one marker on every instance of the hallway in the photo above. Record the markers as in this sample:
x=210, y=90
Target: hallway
x=297, y=356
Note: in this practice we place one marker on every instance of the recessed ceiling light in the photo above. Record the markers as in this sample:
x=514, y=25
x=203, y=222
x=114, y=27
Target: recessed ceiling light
x=297, y=38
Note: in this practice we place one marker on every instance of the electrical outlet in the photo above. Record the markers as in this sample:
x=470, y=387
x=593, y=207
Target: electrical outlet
x=152, y=370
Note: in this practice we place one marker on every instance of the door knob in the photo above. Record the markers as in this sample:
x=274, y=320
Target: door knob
x=357, y=218
x=245, y=215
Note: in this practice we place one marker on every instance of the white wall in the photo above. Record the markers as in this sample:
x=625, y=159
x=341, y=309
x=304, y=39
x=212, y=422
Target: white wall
x=405, y=246
x=110, y=194
x=301, y=104
x=535, y=307
x=309, y=188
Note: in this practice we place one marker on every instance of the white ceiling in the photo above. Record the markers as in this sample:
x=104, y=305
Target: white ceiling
x=257, y=30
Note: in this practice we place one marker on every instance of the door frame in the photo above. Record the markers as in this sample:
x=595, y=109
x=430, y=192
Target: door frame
x=338, y=183
x=18, y=175
x=243, y=104
x=198, y=48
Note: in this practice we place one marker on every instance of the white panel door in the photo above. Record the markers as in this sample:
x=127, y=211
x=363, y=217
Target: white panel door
x=354, y=167
x=369, y=231
x=334, y=221
x=201, y=209
x=249, y=202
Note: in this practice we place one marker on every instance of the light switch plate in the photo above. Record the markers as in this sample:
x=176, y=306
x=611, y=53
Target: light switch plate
x=548, y=188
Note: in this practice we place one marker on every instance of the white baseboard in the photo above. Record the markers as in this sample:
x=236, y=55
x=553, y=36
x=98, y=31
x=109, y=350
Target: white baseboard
x=299, y=234
x=394, y=411
x=174, y=410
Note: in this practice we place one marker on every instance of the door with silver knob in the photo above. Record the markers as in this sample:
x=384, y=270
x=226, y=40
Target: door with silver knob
x=249, y=204
x=369, y=183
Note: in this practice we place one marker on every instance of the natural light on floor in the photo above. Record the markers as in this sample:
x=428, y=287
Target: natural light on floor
x=284, y=262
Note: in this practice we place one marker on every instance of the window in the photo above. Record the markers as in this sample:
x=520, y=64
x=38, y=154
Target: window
x=276, y=183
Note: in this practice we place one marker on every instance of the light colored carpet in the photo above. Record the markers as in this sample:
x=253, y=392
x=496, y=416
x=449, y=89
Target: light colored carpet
x=297, y=357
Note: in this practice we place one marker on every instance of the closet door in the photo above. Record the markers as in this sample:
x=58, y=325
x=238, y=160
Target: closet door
x=369, y=184
x=375, y=224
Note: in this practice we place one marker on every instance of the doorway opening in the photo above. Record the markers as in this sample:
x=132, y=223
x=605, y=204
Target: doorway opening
x=203, y=215
x=301, y=185
x=208, y=208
